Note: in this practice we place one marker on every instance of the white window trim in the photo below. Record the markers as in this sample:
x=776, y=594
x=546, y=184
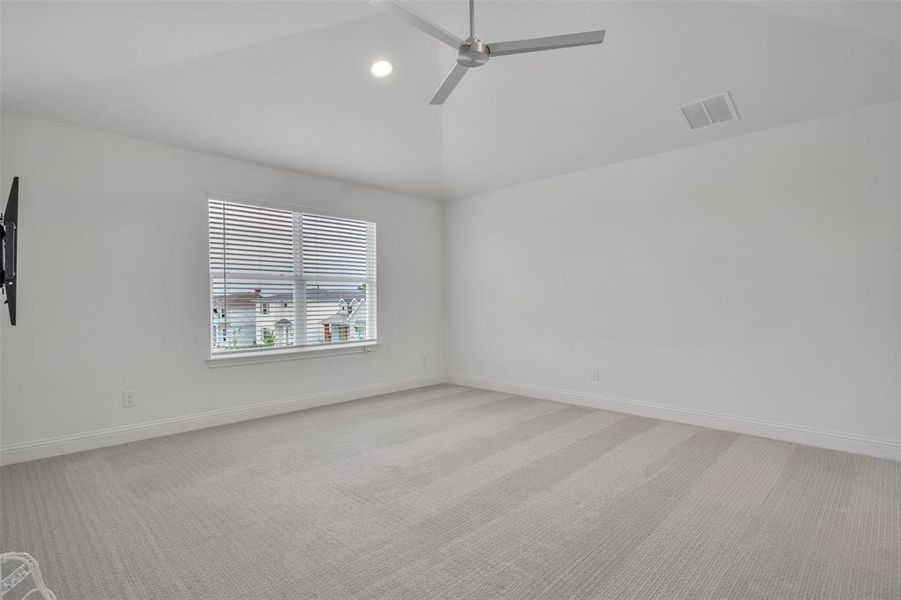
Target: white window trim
x=255, y=357
x=293, y=352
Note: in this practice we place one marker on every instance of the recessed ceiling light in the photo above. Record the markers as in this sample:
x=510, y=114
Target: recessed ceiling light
x=381, y=68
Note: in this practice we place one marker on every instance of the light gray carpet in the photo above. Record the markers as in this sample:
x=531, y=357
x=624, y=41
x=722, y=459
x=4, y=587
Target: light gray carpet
x=450, y=492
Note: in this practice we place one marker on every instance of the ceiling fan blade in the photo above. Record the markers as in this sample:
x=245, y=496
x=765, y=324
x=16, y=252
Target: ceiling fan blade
x=546, y=43
x=450, y=82
x=400, y=11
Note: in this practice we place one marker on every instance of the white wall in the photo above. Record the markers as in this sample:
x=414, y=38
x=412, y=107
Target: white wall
x=750, y=284
x=113, y=292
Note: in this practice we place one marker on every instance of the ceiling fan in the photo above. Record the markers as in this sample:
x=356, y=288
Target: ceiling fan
x=473, y=52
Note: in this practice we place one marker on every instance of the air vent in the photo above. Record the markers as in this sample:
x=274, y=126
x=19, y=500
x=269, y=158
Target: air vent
x=710, y=111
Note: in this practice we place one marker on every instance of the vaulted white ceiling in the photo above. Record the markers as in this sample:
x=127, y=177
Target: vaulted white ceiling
x=287, y=83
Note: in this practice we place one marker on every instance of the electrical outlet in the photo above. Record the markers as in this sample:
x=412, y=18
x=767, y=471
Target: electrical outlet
x=425, y=360
x=128, y=399
x=596, y=374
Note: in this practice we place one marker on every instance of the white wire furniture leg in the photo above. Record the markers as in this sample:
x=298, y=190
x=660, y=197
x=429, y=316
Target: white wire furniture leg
x=27, y=566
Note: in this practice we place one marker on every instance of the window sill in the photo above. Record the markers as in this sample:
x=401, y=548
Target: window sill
x=265, y=356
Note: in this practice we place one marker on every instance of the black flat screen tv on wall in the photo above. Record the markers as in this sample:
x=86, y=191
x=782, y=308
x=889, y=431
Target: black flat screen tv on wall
x=9, y=232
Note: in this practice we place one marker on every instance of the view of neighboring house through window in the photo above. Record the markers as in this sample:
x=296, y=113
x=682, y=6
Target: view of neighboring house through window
x=284, y=278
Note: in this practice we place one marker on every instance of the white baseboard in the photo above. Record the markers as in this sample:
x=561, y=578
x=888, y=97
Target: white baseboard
x=14, y=453
x=809, y=436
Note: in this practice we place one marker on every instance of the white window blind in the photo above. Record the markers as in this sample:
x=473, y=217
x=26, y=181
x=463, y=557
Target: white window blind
x=281, y=279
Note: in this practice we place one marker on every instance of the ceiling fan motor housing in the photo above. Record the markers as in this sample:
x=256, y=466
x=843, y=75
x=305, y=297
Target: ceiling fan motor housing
x=473, y=54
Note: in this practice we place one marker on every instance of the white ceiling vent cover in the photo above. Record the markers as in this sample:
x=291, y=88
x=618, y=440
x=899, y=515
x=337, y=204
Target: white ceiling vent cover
x=710, y=111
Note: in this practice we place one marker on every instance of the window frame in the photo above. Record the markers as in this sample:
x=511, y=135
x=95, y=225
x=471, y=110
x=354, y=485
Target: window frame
x=300, y=280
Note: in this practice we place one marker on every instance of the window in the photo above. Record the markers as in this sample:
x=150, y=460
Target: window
x=288, y=279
